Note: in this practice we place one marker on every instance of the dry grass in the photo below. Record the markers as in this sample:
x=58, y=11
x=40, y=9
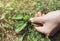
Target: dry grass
x=8, y=8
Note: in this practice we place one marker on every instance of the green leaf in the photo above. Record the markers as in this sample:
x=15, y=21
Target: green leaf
x=20, y=26
x=17, y=16
x=26, y=18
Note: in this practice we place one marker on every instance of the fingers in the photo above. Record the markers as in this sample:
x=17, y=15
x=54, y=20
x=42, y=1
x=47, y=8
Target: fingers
x=37, y=20
x=39, y=14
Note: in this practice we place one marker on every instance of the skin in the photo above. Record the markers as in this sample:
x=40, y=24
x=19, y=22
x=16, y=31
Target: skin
x=50, y=21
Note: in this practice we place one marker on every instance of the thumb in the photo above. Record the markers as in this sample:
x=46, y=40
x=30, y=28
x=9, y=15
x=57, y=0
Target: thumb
x=42, y=30
x=39, y=28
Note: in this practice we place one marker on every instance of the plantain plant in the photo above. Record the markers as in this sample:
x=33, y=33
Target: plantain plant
x=25, y=28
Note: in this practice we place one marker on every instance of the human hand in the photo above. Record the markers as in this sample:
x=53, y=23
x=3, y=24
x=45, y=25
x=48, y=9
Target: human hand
x=50, y=21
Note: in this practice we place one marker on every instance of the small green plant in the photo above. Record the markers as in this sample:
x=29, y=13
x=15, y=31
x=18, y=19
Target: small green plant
x=25, y=27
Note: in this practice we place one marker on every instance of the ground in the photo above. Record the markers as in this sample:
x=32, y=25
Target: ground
x=8, y=8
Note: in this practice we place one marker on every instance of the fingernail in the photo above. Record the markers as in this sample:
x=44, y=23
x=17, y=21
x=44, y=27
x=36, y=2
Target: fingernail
x=31, y=19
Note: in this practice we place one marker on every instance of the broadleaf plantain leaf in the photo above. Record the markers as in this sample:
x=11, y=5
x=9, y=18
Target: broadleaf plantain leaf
x=20, y=26
x=17, y=16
